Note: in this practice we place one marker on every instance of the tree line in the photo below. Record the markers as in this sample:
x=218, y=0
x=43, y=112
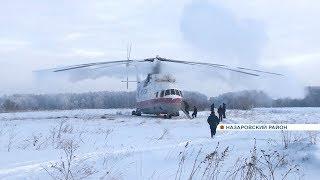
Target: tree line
x=67, y=101
x=105, y=100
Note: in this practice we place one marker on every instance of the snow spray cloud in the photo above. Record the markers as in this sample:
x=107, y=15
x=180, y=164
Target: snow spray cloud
x=89, y=79
x=157, y=68
x=215, y=29
x=218, y=33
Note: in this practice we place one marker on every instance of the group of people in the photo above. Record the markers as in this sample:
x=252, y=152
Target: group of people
x=186, y=108
x=213, y=120
x=221, y=110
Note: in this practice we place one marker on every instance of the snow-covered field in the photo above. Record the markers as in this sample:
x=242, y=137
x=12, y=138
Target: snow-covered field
x=111, y=144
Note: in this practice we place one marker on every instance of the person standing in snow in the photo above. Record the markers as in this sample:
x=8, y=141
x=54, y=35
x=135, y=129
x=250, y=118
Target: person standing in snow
x=224, y=110
x=212, y=107
x=213, y=122
x=195, y=112
x=220, y=112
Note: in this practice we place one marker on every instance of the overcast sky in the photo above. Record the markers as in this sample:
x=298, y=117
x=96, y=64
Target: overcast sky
x=282, y=36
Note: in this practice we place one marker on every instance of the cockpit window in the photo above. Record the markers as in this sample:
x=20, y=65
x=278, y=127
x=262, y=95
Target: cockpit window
x=181, y=94
x=167, y=92
x=172, y=92
x=177, y=92
x=162, y=94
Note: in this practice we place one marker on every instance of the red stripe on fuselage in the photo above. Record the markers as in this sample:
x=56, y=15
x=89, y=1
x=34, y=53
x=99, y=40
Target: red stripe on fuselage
x=158, y=101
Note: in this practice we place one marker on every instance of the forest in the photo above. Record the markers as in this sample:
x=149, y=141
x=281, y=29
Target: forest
x=105, y=100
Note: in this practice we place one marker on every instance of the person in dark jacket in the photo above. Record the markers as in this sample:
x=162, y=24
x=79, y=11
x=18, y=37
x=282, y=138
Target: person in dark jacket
x=186, y=107
x=220, y=112
x=195, y=112
x=224, y=110
x=212, y=107
x=213, y=122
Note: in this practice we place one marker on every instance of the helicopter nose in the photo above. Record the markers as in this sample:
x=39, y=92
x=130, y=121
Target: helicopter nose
x=174, y=105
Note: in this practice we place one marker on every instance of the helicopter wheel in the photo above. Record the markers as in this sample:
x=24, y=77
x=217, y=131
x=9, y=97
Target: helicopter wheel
x=138, y=113
x=168, y=116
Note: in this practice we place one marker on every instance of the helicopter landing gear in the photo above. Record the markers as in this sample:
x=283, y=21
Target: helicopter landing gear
x=136, y=113
x=168, y=116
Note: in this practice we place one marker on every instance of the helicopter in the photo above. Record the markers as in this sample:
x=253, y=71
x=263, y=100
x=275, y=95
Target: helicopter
x=158, y=94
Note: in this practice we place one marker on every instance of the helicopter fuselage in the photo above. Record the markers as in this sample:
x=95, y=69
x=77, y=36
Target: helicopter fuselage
x=158, y=94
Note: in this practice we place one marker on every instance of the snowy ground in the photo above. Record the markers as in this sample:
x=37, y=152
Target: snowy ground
x=111, y=144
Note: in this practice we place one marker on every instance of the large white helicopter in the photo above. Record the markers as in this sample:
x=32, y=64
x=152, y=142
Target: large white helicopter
x=158, y=94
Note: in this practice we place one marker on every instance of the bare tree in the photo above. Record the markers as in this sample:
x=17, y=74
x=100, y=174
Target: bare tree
x=12, y=135
x=266, y=165
x=207, y=168
x=286, y=138
x=67, y=168
x=313, y=137
x=164, y=133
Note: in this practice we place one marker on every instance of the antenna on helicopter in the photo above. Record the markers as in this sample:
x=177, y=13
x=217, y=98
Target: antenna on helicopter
x=127, y=65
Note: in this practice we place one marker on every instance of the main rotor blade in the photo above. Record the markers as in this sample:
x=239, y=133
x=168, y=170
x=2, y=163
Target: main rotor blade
x=219, y=66
x=90, y=65
x=255, y=70
x=100, y=65
x=108, y=65
x=188, y=62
